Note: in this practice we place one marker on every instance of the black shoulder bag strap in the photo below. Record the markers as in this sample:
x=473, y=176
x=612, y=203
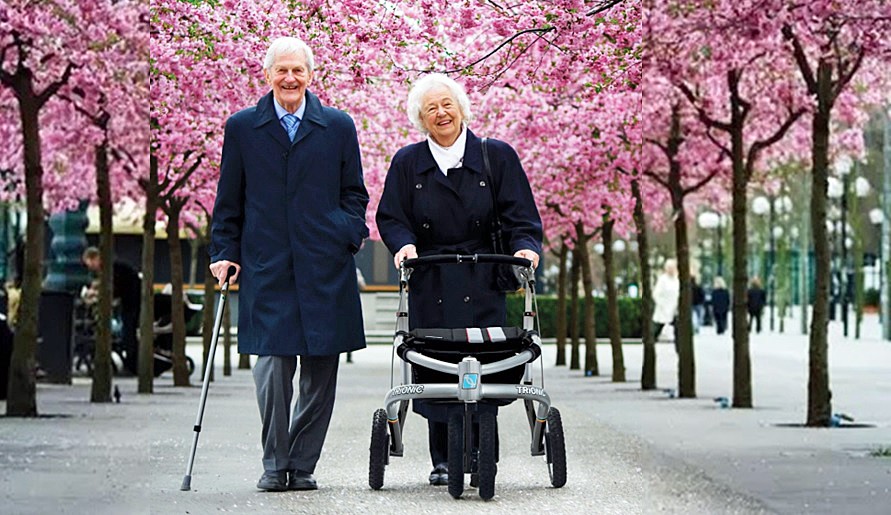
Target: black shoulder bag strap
x=497, y=240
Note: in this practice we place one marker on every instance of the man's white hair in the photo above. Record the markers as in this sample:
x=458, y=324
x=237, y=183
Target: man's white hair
x=427, y=83
x=288, y=46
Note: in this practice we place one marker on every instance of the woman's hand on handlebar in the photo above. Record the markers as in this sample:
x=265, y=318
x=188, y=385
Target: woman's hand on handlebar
x=528, y=254
x=407, y=252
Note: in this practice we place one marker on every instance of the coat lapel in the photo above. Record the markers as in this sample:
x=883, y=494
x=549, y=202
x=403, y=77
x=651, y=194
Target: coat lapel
x=426, y=164
x=312, y=118
x=267, y=120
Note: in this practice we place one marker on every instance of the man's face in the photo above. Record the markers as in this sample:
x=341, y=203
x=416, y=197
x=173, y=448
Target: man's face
x=289, y=77
x=93, y=264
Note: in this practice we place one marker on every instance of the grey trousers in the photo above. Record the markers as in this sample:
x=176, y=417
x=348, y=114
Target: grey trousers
x=297, y=447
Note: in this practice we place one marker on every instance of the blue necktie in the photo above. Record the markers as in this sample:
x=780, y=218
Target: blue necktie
x=290, y=122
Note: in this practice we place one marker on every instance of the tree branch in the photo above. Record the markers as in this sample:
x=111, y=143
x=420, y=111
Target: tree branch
x=845, y=77
x=760, y=145
x=53, y=88
x=703, y=116
x=660, y=180
x=705, y=180
x=171, y=191
x=800, y=59
x=603, y=6
x=507, y=41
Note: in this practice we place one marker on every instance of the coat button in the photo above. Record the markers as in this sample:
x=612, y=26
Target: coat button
x=418, y=186
x=467, y=299
x=425, y=225
x=477, y=223
x=482, y=184
x=439, y=301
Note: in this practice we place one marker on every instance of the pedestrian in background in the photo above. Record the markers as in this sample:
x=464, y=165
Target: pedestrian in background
x=665, y=297
x=757, y=298
x=126, y=286
x=289, y=215
x=720, y=304
x=698, y=304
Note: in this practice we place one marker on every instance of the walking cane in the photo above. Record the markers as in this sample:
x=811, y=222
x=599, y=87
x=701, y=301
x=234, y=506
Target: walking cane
x=224, y=291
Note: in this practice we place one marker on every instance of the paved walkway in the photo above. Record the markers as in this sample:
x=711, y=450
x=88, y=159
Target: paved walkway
x=628, y=451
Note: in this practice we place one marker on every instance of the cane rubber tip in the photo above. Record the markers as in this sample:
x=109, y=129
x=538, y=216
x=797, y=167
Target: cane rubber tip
x=187, y=484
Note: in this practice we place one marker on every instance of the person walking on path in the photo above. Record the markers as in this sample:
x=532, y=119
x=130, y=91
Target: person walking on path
x=720, y=304
x=757, y=298
x=438, y=199
x=698, y=305
x=665, y=297
x=289, y=216
x=127, y=290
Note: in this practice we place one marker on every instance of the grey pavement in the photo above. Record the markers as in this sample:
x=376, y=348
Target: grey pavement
x=628, y=451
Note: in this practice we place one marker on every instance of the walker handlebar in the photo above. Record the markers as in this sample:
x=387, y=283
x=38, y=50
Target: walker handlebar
x=440, y=259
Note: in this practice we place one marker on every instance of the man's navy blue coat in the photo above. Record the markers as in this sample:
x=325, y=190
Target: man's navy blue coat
x=292, y=215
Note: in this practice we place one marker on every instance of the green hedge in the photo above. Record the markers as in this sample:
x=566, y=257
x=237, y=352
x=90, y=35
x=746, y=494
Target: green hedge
x=629, y=315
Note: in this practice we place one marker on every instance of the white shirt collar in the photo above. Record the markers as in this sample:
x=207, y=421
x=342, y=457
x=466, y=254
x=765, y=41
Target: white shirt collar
x=449, y=157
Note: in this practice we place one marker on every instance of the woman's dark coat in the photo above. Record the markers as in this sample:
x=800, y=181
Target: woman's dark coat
x=453, y=214
x=292, y=215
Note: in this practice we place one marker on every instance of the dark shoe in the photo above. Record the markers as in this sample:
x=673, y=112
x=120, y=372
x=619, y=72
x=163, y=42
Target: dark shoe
x=274, y=481
x=300, y=480
x=440, y=475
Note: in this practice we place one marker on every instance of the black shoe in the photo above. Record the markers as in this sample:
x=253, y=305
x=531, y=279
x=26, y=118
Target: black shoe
x=274, y=481
x=300, y=480
x=440, y=475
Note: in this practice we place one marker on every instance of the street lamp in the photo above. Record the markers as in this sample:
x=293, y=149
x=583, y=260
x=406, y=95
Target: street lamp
x=712, y=220
x=782, y=207
x=843, y=167
x=761, y=206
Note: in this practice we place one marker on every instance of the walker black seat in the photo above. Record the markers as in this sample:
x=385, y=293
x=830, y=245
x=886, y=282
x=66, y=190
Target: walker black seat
x=486, y=344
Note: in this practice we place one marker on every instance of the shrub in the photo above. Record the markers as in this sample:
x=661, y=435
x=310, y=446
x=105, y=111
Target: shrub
x=629, y=315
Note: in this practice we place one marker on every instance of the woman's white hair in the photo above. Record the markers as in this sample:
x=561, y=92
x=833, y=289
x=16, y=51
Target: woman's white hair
x=427, y=83
x=288, y=46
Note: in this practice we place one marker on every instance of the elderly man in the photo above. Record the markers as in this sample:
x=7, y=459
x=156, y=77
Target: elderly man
x=288, y=217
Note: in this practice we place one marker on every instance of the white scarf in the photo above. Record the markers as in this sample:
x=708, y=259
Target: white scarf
x=449, y=157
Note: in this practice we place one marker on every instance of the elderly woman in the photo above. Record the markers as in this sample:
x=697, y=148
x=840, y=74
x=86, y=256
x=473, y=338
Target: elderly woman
x=437, y=200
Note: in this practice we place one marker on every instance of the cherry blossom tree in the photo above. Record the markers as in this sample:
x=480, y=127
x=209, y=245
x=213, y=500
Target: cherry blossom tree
x=831, y=43
x=45, y=50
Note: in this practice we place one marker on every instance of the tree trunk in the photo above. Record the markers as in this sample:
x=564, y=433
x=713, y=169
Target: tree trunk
x=575, y=272
x=648, y=371
x=561, y=306
x=742, y=366
x=612, y=302
x=180, y=370
x=22, y=392
x=684, y=319
x=591, y=367
x=819, y=402
x=147, y=308
x=102, y=367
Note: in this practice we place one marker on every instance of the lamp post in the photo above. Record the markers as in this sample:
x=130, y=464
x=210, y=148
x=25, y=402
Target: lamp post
x=761, y=206
x=843, y=167
x=711, y=220
x=877, y=218
x=835, y=191
x=885, y=301
x=781, y=207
